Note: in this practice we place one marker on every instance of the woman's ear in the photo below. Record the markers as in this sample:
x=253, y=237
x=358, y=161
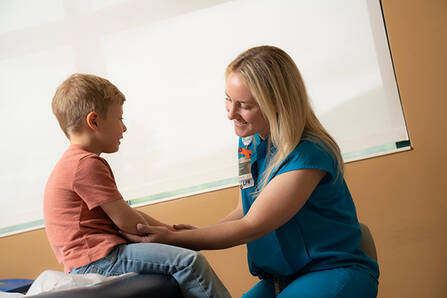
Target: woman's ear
x=92, y=120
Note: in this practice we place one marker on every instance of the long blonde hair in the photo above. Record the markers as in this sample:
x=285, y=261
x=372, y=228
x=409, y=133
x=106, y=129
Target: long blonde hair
x=276, y=84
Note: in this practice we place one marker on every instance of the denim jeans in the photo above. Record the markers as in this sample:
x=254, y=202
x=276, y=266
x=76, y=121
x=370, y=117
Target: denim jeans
x=190, y=269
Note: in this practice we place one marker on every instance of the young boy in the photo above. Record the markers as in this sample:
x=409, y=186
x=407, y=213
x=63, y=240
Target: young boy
x=83, y=209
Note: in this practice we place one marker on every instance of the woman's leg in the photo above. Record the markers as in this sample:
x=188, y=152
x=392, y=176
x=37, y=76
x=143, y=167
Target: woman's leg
x=191, y=270
x=349, y=282
x=263, y=289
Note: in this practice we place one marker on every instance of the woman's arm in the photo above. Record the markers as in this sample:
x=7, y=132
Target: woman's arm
x=280, y=200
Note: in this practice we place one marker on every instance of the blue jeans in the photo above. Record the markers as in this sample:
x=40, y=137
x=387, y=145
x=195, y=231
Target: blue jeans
x=190, y=269
x=347, y=282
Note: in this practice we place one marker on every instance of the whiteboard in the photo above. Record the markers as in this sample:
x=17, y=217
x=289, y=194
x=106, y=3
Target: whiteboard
x=168, y=58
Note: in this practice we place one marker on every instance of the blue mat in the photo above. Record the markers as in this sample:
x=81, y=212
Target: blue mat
x=15, y=285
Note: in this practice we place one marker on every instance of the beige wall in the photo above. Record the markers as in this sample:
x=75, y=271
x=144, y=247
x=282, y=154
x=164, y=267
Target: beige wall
x=402, y=197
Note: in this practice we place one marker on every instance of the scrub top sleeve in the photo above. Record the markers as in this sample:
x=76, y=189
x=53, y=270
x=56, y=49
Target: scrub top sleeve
x=308, y=155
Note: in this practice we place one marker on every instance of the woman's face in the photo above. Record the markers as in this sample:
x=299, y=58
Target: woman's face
x=243, y=109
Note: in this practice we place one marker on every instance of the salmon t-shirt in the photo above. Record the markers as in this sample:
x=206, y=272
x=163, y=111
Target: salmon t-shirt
x=79, y=231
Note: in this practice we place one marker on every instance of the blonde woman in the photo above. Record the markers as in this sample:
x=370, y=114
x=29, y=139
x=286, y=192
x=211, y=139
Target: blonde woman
x=296, y=213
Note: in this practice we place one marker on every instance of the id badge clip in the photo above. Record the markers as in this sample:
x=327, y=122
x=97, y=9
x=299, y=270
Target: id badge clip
x=245, y=176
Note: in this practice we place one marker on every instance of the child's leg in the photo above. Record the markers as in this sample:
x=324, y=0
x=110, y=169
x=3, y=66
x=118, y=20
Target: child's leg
x=263, y=289
x=191, y=270
x=346, y=282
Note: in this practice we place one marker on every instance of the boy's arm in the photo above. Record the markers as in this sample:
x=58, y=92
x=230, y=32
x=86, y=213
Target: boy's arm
x=123, y=216
x=152, y=221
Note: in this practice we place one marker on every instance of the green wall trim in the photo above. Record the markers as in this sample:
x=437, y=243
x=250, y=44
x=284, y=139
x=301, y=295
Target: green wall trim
x=403, y=144
x=377, y=150
x=185, y=191
x=368, y=152
x=31, y=225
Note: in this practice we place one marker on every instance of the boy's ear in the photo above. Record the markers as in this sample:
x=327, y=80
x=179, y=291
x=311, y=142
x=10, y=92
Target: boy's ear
x=92, y=120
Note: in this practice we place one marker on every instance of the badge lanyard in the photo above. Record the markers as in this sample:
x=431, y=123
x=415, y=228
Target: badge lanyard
x=245, y=176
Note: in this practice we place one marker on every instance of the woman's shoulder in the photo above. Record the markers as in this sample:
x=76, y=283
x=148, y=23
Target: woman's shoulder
x=311, y=153
x=311, y=147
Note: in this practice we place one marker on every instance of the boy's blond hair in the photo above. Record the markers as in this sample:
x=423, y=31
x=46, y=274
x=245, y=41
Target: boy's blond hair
x=81, y=94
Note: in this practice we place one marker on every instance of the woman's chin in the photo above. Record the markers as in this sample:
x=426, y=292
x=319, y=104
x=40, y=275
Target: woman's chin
x=242, y=132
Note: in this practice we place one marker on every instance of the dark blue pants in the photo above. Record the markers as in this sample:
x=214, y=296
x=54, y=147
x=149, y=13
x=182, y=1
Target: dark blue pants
x=349, y=282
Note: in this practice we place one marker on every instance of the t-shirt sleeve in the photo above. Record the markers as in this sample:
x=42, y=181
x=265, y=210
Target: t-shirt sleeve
x=308, y=155
x=94, y=182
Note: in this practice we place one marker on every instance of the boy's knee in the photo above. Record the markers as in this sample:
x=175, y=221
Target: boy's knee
x=196, y=259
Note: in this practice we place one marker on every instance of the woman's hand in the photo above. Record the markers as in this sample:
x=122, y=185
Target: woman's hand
x=179, y=227
x=156, y=234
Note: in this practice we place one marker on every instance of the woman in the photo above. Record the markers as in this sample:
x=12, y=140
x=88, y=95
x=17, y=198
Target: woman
x=296, y=215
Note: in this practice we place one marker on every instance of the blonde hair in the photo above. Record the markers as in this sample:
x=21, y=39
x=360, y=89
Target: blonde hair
x=276, y=84
x=81, y=94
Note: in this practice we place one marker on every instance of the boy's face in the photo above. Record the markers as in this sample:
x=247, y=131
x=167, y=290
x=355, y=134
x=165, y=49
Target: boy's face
x=110, y=130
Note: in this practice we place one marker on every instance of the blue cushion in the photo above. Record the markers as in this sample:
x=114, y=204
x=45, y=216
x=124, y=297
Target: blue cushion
x=15, y=285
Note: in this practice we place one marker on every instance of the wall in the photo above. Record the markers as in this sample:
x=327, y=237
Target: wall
x=400, y=196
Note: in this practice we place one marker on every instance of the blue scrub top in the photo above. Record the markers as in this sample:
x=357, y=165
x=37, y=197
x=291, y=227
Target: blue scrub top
x=324, y=234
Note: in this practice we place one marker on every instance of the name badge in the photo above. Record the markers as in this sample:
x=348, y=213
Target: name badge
x=245, y=176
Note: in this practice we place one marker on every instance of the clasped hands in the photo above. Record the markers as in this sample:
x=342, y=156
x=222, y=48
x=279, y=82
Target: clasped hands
x=156, y=234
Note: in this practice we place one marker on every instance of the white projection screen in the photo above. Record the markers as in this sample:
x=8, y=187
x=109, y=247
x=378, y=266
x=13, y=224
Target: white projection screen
x=168, y=58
